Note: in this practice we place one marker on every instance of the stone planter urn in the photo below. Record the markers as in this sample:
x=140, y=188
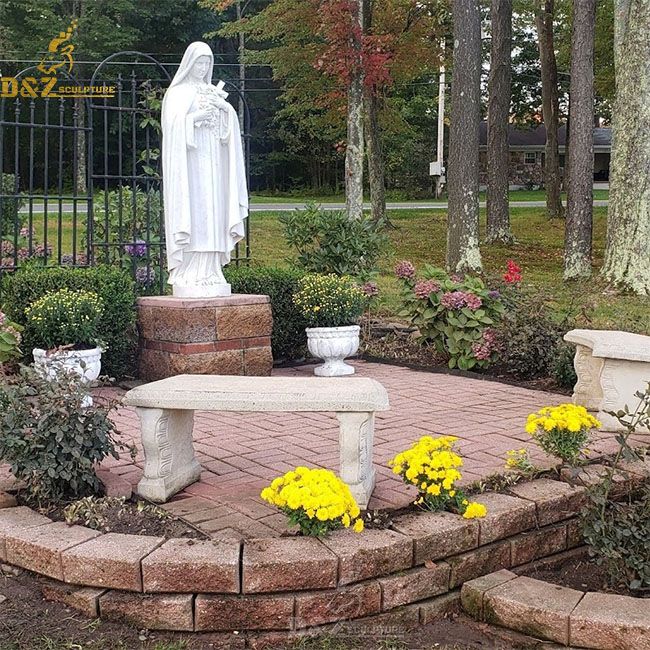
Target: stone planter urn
x=85, y=363
x=332, y=345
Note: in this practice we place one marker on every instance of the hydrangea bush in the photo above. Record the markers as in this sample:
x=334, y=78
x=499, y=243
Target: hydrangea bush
x=458, y=314
x=316, y=500
x=432, y=466
x=329, y=300
x=65, y=317
x=10, y=339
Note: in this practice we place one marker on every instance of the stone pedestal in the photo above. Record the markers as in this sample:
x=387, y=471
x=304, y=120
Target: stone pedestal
x=204, y=336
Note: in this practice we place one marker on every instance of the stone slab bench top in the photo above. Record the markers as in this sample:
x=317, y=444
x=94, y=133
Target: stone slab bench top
x=611, y=344
x=235, y=393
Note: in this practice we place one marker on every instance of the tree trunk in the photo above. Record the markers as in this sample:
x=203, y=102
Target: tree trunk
x=550, y=108
x=627, y=257
x=580, y=193
x=241, y=49
x=375, y=154
x=498, y=155
x=355, y=148
x=463, y=252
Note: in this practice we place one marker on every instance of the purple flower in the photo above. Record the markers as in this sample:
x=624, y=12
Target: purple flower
x=453, y=300
x=24, y=232
x=137, y=249
x=70, y=260
x=2, y=318
x=424, y=288
x=483, y=349
x=457, y=277
x=473, y=301
x=6, y=248
x=494, y=294
x=404, y=270
x=145, y=277
x=370, y=289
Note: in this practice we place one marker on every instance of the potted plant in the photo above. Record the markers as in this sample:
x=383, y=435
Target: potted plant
x=331, y=305
x=64, y=326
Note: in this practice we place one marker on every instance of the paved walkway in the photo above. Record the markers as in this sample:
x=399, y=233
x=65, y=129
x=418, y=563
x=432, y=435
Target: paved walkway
x=242, y=453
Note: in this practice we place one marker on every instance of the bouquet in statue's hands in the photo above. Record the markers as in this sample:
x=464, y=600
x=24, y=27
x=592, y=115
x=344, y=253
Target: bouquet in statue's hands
x=213, y=99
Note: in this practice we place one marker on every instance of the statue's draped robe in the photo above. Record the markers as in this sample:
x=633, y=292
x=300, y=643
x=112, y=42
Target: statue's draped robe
x=204, y=180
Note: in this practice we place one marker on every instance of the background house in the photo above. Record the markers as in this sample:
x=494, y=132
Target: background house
x=527, y=153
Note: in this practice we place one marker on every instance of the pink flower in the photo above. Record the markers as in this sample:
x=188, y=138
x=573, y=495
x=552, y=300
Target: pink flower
x=473, y=301
x=483, y=349
x=404, y=270
x=513, y=274
x=453, y=300
x=370, y=289
x=424, y=288
x=2, y=318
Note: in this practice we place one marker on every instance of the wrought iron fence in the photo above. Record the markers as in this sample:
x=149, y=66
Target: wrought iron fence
x=81, y=178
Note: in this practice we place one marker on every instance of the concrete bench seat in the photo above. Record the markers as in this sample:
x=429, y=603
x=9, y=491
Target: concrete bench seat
x=611, y=366
x=166, y=410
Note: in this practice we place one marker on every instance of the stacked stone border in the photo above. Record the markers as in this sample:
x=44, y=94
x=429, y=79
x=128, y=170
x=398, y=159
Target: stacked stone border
x=404, y=575
x=573, y=618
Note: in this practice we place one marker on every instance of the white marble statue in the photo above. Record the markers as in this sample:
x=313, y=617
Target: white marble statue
x=204, y=178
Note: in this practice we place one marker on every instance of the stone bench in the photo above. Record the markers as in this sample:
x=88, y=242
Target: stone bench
x=611, y=367
x=166, y=410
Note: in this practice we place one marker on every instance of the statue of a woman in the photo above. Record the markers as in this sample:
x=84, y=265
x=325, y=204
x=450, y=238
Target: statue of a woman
x=204, y=178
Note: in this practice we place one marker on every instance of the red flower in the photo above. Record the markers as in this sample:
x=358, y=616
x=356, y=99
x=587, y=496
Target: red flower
x=513, y=273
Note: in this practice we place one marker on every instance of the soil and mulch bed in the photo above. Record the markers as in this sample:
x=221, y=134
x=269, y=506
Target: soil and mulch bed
x=118, y=515
x=581, y=572
x=393, y=342
x=27, y=622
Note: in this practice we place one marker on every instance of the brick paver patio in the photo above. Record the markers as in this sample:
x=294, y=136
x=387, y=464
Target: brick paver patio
x=242, y=453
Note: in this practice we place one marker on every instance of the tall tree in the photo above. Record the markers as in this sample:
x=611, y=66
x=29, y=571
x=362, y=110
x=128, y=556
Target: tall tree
x=498, y=155
x=376, y=165
x=580, y=199
x=463, y=252
x=627, y=257
x=550, y=106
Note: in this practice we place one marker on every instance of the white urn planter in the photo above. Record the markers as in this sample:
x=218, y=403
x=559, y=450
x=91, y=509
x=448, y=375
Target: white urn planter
x=332, y=345
x=85, y=363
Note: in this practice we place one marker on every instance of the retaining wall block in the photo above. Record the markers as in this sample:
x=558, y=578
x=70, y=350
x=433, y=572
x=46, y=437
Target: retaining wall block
x=437, y=535
x=370, y=554
x=416, y=584
x=554, y=500
x=538, y=543
x=152, y=612
x=286, y=564
x=190, y=566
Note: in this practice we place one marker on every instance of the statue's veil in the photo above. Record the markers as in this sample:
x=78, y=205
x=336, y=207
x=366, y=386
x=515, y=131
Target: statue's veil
x=192, y=53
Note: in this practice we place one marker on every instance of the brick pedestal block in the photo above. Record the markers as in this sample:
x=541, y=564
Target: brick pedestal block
x=204, y=336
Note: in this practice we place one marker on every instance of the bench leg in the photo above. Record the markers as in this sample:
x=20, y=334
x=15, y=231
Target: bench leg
x=170, y=464
x=356, y=439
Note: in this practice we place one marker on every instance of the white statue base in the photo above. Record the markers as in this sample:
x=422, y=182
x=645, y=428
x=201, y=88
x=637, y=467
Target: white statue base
x=202, y=291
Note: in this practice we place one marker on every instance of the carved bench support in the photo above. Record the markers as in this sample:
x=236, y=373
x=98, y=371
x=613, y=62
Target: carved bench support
x=170, y=463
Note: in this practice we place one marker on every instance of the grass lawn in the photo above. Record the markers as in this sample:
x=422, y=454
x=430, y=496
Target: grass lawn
x=420, y=236
x=515, y=196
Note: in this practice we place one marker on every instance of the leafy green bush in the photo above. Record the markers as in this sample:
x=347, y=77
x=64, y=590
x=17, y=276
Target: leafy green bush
x=564, y=372
x=530, y=338
x=65, y=317
x=10, y=217
x=328, y=242
x=289, y=340
x=10, y=338
x=113, y=285
x=457, y=314
x=617, y=534
x=50, y=439
x=329, y=300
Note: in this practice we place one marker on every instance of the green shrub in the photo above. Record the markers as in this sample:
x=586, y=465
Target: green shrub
x=10, y=217
x=457, y=314
x=564, y=372
x=113, y=285
x=10, y=338
x=65, y=317
x=530, y=338
x=329, y=300
x=326, y=241
x=51, y=440
x=289, y=340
